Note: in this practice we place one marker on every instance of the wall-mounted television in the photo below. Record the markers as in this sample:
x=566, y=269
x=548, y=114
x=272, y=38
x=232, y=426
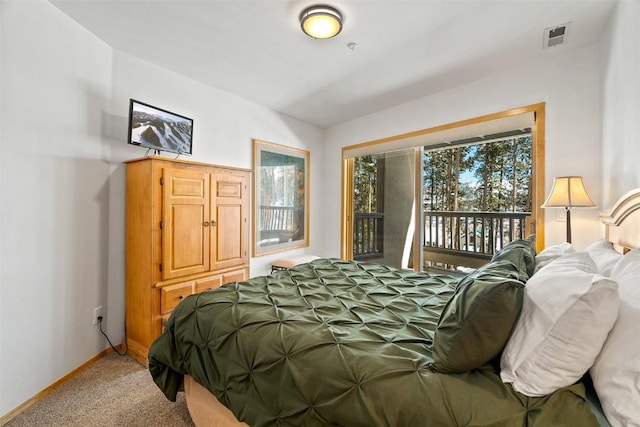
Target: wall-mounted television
x=160, y=130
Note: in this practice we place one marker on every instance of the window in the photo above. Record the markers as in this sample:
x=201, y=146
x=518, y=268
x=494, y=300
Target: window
x=387, y=184
x=476, y=198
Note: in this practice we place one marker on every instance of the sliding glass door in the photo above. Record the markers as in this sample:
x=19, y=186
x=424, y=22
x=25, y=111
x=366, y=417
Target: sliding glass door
x=476, y=199
x=384, y=226
x=448, y=203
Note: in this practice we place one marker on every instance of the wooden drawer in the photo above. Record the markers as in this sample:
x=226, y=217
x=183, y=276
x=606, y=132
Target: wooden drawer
x=163, y=320
x=234, y=276
x=206, y=283
x=217, y=280
x=171, y=295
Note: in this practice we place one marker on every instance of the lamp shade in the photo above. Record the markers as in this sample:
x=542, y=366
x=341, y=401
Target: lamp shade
x=568, y=192
x=321, y=21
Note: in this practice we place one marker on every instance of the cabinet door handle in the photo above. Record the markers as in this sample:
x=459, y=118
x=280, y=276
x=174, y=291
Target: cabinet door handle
x=206, y=223
x=213, y=223
x=180, y=296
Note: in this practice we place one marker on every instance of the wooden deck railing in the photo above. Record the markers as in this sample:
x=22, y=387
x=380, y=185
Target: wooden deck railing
x=276, y=218
x=456, y=238
x=469, y=238
x=278, y=224
x=368, y=233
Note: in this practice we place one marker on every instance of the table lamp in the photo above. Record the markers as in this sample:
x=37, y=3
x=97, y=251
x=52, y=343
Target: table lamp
x=568, y=192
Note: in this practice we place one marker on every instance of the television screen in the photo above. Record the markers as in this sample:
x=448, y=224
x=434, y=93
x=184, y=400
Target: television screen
x=160, y=130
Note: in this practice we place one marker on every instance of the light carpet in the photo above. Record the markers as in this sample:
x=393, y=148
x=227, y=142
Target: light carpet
x=113, y=391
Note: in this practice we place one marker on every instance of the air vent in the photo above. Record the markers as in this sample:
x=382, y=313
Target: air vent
x=556, y=36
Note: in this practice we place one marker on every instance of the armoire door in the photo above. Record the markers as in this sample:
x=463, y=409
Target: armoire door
x=230, y=232
x=186, y=222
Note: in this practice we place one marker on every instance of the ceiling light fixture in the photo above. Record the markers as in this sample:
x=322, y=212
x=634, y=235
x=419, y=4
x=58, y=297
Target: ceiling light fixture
x=321, y=21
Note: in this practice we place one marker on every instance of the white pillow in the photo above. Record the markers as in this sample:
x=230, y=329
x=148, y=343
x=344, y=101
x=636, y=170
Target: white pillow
x=567, y=312
x=616, y=371
x=604, y=255
x=552, y=252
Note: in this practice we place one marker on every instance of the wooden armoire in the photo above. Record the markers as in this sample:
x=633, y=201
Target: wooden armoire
x=187, y=232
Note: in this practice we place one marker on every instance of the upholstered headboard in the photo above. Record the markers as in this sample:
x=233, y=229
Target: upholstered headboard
x=622, y=222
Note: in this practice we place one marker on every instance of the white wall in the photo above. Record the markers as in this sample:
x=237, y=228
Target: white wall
x=568, y=82
x=224, y=129
x=56, y=80
x=621, y=103
x=65, y=99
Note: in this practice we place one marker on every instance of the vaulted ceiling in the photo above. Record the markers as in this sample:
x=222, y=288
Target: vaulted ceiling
x=407, y=49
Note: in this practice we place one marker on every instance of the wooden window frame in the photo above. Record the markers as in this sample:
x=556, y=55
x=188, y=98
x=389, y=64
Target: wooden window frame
x=538, y=172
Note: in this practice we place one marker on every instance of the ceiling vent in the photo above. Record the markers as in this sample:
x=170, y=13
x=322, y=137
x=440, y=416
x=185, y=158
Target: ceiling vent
x=556, y=36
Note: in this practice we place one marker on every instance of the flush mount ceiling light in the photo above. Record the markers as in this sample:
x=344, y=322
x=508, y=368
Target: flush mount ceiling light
x=321, y=21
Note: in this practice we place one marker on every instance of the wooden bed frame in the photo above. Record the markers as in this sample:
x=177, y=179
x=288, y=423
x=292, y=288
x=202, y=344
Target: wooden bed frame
x=205, y=409
x=622, y=222
x=622, y=228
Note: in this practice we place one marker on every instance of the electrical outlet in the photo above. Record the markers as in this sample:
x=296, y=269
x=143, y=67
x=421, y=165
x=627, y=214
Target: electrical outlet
x=97, y=312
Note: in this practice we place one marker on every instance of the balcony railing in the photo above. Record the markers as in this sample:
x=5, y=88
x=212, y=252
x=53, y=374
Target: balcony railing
x=451, y=238
x=368, y=233
x=469, y=238
x=277, y=224
x=276, y=218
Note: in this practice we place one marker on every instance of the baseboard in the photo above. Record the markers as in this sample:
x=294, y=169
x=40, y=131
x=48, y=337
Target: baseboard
x=41, y=395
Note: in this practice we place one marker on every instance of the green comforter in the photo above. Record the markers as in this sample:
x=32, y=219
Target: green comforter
x=344, y=343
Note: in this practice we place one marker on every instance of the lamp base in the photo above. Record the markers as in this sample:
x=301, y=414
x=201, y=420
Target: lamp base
x=568, y=224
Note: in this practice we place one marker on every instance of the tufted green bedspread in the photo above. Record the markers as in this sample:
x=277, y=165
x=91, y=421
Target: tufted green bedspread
x=344, y=343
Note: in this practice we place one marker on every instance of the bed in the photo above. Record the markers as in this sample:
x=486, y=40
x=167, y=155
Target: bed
x=335, y=342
